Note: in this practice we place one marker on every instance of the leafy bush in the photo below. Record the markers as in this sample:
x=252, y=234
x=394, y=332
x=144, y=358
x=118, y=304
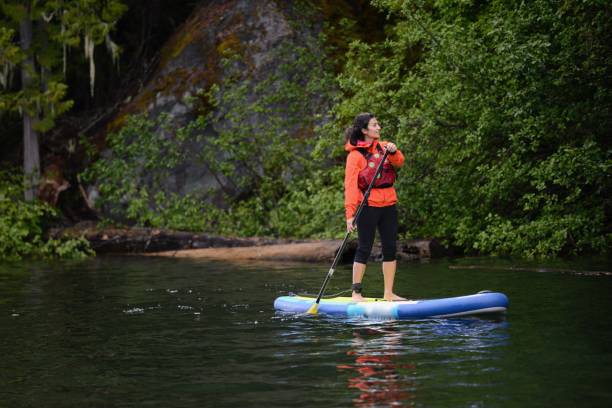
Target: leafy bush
x=131, y=178
x=503, y=112
x=21, y=226
x=311, y=209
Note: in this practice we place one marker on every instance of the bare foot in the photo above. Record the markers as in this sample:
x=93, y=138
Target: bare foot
x=393, y=298
x=357, y=297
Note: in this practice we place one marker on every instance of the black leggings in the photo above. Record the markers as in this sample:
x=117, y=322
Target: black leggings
x=385, y=218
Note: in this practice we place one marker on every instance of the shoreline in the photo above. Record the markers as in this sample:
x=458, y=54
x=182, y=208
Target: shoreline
x=182, y=244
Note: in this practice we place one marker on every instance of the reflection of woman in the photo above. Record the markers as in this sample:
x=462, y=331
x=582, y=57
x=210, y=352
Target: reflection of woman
x=377, y=374
x=380, y=212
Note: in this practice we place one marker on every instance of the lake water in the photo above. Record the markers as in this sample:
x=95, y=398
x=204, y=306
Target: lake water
x=155, y=332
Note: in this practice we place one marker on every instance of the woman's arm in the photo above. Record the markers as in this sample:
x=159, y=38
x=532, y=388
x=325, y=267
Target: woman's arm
x=396, y=158
x=352, y=194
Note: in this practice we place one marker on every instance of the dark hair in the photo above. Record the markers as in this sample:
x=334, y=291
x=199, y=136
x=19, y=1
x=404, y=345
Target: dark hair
x=353, y=134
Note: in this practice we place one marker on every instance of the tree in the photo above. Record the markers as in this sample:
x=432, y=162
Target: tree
x=503, y=109
x=35, y=36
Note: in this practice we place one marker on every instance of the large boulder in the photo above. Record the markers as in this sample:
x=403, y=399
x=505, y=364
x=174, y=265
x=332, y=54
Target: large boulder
x=228, y=64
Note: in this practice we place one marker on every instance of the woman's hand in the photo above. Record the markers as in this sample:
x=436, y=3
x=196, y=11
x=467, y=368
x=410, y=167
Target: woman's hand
x=391, y=147
x=349, y=225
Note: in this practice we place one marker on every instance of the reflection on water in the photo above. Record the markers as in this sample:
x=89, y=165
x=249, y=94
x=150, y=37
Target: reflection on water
x=388, y=363
x=386, y=357
x=378, y=373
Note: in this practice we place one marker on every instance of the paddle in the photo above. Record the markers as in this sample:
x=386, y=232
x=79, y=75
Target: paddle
x=315, y=306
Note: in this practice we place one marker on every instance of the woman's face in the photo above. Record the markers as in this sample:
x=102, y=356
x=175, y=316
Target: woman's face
x=373, y=129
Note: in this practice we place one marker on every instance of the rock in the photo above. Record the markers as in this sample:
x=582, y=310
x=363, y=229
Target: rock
x=252, y=36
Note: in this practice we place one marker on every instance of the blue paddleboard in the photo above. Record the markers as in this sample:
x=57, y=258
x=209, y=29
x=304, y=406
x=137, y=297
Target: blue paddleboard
x=484, y=302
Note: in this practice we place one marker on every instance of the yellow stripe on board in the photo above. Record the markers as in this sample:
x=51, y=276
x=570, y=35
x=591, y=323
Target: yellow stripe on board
x=340, y=299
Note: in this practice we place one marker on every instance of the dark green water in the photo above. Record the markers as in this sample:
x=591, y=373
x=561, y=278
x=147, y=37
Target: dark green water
x=146, y=332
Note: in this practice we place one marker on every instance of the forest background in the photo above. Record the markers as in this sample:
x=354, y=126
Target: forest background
x=502, y=108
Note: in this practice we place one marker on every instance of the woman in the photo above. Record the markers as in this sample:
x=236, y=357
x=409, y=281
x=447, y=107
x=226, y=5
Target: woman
x=365, y=152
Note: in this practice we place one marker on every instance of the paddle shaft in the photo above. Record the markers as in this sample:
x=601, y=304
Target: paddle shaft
x=345, y=240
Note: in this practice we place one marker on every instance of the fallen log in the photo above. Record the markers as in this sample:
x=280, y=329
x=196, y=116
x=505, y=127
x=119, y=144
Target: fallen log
x=182, y=244
x=146, y=240
x=317, y=251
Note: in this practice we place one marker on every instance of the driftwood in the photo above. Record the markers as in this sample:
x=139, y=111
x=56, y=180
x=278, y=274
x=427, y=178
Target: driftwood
x=313, y=251
x=303, y=251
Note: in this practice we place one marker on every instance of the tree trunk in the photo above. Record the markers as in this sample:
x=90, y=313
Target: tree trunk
x=31, y=159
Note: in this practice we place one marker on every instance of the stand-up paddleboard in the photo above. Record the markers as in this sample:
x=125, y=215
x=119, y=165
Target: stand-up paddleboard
x=484, y=302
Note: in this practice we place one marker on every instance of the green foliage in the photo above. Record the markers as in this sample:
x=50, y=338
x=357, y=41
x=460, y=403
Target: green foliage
x=503, y=111
x=311, y=209
x=21, y=232
x=56, y=26
x=45, y=103
x=131, y=177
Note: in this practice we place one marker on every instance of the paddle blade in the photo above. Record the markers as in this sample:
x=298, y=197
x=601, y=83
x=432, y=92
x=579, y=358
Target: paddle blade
x=314, y=309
